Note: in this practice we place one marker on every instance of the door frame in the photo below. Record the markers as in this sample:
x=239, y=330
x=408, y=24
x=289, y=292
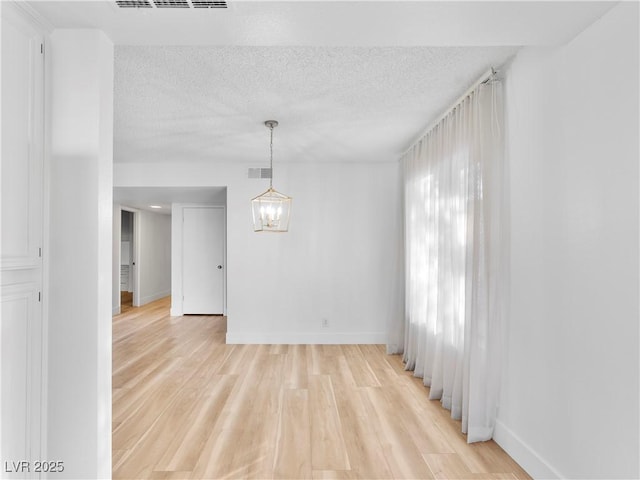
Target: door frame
x=177, y=222
x=135, y=267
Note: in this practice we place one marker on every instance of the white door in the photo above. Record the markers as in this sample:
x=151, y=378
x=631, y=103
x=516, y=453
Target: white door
x=21, y=213
x=203, y=271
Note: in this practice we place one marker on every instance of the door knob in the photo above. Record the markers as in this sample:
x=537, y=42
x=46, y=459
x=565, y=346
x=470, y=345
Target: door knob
x=219, y=267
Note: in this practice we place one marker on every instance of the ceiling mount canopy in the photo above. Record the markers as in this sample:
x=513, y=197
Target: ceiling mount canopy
x=271, y=209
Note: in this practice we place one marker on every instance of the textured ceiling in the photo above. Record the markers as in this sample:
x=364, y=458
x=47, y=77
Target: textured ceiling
x=187, y=104
x=348, y=80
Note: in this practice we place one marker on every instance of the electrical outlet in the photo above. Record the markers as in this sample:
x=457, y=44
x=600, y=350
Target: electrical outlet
x=325, y=323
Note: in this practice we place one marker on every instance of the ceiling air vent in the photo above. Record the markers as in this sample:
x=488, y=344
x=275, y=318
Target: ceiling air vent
x=259, y=173
x=171, y=3
x=208, y=4
x=133, y=3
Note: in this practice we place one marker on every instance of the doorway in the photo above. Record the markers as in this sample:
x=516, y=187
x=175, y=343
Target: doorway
x=128, y=271
x=126, y=261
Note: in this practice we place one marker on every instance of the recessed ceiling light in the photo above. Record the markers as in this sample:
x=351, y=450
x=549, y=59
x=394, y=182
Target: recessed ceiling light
x=155, y=206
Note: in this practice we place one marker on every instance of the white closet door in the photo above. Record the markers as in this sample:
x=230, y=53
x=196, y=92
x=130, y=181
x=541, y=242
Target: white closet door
x=21, y=195
x=203, y=260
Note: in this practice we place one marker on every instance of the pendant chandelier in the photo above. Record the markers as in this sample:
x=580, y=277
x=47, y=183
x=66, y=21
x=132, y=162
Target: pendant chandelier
x=271, y=209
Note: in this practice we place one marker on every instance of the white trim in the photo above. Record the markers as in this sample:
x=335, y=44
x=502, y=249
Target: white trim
x=31, y=15
x=224, y=255
x=175, y=312
x=521, y=452
x=115, y=311
x=20, y=263
x=46, y=246
x=307, y=338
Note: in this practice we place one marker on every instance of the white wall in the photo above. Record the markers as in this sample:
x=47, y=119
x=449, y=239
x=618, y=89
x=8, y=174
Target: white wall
x=176, y=260
x=569, y=405
x=126, y=221
x=80, y=244
x=154, y=260
x=338, y=261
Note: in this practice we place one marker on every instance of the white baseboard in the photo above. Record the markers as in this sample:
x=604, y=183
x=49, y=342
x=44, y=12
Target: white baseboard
x=155, y=296
x=395, y=349
x=115, y=311
x=522, y=453
x=175, y=312
x=306, y=338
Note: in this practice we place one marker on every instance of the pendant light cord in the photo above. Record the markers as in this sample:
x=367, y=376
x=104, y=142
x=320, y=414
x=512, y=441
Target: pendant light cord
x=271, y=158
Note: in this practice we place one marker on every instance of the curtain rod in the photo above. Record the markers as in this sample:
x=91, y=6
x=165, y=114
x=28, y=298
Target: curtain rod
x=486, y=76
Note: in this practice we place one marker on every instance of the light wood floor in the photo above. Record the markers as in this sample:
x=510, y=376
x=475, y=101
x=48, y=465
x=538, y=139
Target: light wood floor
x=186, y=406
x=126, y=301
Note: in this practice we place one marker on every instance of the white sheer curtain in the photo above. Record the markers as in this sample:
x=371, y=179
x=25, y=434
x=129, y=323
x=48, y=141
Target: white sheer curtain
x=454, y=260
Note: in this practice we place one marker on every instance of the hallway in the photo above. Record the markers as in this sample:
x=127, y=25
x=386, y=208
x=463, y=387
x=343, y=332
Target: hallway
x=126, y=301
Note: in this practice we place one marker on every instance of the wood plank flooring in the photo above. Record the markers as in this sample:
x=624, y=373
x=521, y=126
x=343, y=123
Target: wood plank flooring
x=126, y=301
x=187, y=406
